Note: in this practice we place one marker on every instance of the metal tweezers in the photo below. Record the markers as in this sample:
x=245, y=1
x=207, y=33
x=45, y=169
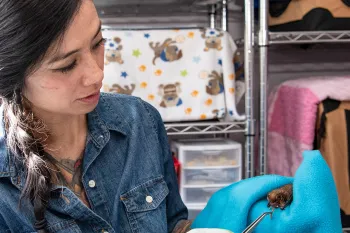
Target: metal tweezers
x=252, y=226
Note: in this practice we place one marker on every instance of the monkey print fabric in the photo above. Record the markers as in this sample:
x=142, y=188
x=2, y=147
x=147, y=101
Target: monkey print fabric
x=186, y=74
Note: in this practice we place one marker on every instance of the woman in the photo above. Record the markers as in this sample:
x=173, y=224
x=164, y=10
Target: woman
x=72, y=159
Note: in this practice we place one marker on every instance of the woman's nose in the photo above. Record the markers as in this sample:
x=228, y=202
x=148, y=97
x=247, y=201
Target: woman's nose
x=93, y=72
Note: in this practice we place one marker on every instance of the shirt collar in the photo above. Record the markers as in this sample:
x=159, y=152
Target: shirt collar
x=103, y=119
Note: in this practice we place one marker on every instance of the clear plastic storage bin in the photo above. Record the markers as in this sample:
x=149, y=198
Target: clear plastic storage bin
x=211, y=176
x=210, y=158
x=199, y=195
x=207, y=165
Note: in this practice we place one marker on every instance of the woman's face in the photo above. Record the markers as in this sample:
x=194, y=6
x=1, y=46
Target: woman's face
x=68, y=81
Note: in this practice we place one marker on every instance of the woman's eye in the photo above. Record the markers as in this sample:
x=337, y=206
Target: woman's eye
x=101, y=42
x=73, y=65
x=67, y=68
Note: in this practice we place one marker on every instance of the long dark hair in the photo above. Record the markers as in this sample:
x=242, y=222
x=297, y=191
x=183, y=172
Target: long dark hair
x=28, y=28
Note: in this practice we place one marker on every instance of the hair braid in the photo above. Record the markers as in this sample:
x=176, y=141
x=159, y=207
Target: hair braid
x=26, y=136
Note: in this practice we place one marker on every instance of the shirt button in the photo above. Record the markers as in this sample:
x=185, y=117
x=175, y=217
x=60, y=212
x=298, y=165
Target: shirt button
x=92, y=184
x=149, y=199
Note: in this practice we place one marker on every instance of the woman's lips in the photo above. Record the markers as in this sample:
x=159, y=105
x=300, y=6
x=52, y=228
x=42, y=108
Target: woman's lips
x=91, y=98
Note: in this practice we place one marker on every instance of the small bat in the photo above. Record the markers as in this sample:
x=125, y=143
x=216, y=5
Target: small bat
x=281, y=197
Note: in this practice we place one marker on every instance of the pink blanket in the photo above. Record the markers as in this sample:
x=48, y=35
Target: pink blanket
x=292, y=118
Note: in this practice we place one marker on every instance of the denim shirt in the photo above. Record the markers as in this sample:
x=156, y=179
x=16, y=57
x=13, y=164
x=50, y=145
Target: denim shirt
x=128, y=176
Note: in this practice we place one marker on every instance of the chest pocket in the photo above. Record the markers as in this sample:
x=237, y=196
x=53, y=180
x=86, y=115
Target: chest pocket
x=145, y=206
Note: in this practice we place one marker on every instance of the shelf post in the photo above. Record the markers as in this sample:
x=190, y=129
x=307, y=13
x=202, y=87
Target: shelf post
x=263, y=50
x=212, y=16
x=249, y=97
x=224, y=16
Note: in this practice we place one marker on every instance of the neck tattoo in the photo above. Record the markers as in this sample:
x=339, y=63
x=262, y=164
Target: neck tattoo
x=74, y=168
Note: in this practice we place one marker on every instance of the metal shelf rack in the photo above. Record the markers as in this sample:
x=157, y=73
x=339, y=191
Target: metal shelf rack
x=205, y=128
x=309, y=37
x=267, y=38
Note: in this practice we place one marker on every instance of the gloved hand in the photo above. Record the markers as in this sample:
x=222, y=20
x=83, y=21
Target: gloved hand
x=314, y=209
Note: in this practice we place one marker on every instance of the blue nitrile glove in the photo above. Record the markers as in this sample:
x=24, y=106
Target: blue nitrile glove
x=314, y=209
